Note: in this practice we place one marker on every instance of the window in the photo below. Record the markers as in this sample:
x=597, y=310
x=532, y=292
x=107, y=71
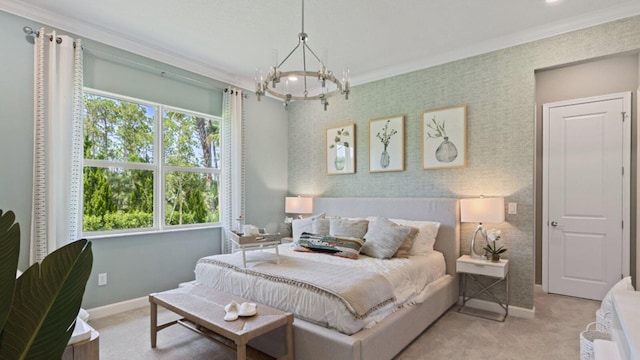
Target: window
x=148, y=166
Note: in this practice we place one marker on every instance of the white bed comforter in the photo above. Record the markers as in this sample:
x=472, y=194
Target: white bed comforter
x=411, y=280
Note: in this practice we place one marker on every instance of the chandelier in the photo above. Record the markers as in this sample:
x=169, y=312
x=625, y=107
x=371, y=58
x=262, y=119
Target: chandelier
x=298, y=85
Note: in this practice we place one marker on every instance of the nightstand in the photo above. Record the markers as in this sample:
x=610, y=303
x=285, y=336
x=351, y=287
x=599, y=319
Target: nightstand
x=473, y=268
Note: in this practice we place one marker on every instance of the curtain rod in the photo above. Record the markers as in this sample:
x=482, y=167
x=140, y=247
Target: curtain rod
x=122, y=60
x=35, y=33
x=234, y=92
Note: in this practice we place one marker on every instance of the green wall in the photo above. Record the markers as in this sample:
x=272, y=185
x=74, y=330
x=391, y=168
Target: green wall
x=136, y=264
x=499, y=91
x=266, y=168
x=16, y=125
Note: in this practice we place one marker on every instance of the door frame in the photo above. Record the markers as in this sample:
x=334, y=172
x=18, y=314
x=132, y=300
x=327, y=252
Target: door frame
x=626, y=180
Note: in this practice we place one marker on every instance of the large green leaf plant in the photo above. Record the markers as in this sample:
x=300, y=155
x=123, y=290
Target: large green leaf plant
x=38, y=310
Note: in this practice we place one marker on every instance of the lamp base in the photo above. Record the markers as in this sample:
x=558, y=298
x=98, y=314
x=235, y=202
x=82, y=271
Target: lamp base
x=474, y=254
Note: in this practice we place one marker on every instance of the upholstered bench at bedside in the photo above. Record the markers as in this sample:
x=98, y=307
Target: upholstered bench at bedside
x=204, y=308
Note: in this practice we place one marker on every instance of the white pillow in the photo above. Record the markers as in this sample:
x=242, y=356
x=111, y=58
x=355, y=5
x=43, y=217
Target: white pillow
x=384, y=238
x=348, y=227
x=426, y=236
x=403, y=250
x=320, y=226
x=298, y=226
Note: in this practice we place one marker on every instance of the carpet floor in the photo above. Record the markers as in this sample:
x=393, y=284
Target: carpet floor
x=553, y=334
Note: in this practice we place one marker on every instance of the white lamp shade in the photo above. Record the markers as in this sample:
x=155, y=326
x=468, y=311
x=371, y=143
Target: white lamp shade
x=482, y=210
x=298, y=205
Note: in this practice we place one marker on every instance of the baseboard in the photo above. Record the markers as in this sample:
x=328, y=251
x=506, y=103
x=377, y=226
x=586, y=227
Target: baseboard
x=115, y=308
x=514, y=311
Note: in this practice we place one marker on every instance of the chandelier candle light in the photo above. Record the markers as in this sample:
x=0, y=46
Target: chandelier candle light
x=280, y=84
x=481, y=210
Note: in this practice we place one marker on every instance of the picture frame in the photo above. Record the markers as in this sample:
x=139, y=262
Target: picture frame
x=386, y=144
x=341, y=150
x=444, y=138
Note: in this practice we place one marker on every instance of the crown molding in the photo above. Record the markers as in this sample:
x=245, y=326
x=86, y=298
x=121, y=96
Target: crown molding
x=124, y=42
x=117, y=40
x=519, y=38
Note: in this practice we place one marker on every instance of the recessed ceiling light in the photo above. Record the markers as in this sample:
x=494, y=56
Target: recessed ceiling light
x=551, y=1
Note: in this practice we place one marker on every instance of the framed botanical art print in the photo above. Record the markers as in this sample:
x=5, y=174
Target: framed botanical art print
x=444, y=138
x=341, y=150
x=386, y=144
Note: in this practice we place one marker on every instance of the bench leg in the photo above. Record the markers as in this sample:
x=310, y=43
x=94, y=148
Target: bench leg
x=154, y=323
x=290, y=355
x=241, y=351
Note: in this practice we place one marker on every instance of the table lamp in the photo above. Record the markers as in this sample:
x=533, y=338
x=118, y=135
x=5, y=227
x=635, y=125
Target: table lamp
x=298, y=205
x=481, y=210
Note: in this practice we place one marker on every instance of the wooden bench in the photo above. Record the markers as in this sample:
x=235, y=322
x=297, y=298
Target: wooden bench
x=204, y=307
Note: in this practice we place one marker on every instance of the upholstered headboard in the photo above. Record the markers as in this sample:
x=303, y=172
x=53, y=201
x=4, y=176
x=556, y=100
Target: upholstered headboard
x=443, y=210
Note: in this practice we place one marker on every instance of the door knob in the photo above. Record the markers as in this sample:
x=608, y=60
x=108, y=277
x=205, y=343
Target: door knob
x=554, y=223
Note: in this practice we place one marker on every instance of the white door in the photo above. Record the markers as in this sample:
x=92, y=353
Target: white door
x=586, y=155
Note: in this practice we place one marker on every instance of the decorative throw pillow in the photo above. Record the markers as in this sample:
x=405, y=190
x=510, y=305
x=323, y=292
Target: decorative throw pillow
x=384, y=238
x=298, y=226
x=320, y=226
x=426, y=236
x=403, y=250
x=353, y=228
x=334, y=245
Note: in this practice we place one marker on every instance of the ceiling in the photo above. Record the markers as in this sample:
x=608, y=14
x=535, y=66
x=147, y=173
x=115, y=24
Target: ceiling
x=375, y=39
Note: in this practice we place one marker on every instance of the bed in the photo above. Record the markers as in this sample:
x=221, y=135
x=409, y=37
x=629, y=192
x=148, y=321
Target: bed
x=379, y=329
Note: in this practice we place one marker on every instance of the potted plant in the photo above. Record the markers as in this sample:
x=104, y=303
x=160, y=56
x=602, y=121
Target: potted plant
x=38, y=310
x=493, y=249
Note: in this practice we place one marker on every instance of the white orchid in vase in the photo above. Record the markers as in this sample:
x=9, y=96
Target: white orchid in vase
x=495, y=247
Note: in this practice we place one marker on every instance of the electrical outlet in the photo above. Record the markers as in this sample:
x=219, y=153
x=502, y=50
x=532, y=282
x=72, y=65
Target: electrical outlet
x=102, y=279
x=513, y=208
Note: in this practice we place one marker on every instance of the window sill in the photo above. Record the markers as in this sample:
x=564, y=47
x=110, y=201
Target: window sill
x=96, y=236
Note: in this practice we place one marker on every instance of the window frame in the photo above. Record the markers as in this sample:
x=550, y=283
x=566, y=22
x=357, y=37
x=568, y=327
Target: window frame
x=158, y=168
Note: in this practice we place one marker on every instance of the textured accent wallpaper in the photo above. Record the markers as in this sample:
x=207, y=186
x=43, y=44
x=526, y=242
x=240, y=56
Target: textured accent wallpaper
x=498, y=89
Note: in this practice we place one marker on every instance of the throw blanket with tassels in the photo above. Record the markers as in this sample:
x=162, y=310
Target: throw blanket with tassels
x=361, y=291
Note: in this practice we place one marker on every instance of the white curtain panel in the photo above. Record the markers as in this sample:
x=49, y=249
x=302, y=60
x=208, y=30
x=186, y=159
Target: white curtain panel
x=58, y=146
x=233, y=142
